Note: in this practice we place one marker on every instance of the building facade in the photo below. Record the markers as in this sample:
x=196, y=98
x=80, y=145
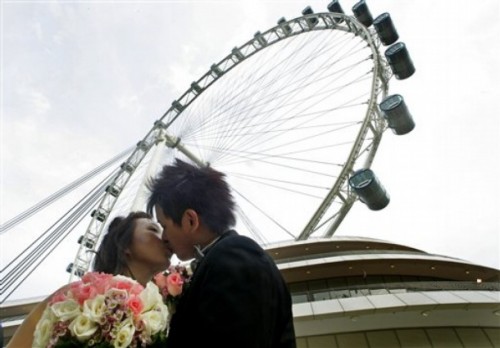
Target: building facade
x=360, y=292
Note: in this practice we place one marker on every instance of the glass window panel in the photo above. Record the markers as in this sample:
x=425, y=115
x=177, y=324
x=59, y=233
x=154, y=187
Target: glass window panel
x=382, y=339
x=340, y=294
x=353, y=281
x=392, y=278
x=351, y=340
x=397, y=291
x=301, y=343
x=413, y=338
x=494, y=335
x=444, y=337
x=359, y=292
x=321, y=295
x=299, y=298
x=374, y=280
x=337, y=283
x=322, y=342
x=378, y=291
x=318, y=285
x=473, y=337
x=298, y=287
x=364, y=292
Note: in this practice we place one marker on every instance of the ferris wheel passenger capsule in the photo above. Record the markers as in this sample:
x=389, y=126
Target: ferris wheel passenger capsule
x=396, y=113
x=236, y=52
x=385, y=29
x=113, y=191
x=142, y=145
x=284, y=26
x=216, y=70
x=196, y=87
x=99, y=215
x=177, y=106
x=335, y=7
x=399, y=60
x=88, y=243
x=128, y=167
x=362, y=13
x=369, y=189
x=78, y=271
x=260, y=39
x=311, y=21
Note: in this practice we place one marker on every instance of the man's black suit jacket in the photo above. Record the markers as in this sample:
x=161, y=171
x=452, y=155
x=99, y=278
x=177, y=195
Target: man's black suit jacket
x=237, y=298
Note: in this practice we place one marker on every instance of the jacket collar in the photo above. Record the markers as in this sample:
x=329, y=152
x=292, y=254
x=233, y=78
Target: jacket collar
x=201, y=252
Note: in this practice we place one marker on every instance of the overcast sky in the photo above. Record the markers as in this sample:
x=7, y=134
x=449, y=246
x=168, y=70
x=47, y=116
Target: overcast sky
x=83, y=80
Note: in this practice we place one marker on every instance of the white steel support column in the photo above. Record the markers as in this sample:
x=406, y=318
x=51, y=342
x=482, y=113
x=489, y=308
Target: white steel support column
x=142, y=192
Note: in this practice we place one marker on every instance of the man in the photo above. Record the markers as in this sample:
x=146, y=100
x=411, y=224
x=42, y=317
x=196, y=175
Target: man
x=237, y=297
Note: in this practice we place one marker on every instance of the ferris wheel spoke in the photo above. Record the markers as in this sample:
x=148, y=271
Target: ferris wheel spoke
x=270, y=218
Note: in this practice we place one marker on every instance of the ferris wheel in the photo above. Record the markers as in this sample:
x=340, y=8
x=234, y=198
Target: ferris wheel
x=293, y=117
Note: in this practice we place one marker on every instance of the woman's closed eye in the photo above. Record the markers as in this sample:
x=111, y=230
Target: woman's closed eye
x=155, y=228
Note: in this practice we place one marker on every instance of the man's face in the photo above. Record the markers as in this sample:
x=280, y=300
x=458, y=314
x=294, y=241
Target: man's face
x=177, y=236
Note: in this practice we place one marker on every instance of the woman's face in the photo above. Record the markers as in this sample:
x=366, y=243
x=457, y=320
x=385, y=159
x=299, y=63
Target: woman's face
x=147, y=247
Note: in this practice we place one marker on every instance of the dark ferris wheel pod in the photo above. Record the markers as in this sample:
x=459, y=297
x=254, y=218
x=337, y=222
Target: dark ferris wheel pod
x=289, y=117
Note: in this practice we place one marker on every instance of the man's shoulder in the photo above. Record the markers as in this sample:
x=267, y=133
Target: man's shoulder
x=239, y=251
x=232, y=239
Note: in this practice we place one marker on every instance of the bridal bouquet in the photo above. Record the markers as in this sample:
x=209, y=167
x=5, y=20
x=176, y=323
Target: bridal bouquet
x=103, y=311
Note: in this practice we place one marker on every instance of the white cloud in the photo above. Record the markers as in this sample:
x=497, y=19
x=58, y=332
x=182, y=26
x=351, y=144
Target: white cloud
x=41, y=103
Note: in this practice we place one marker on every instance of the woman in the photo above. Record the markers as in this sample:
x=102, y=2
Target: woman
x=132, y=247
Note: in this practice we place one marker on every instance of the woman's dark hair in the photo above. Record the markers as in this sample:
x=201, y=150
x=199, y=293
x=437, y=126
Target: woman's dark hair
x=110, y=256
x=182, y=186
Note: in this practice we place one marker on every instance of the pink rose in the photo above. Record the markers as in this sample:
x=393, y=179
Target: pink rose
x=129, y=286
x=59, y=296
x=174, y=284
x=101, y=281
x=136, y=289
x=161, y=280
x=122, y=285
x=135, y=304
x=74, y=289
x=82, y=292
x=75, y=285
x=93, y=276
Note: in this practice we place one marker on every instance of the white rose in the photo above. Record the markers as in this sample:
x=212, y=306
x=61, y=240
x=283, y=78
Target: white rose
x=123, y=278
x=66, y=310
x=82, y=327
x=43, y=329
x=124, y=334
x=155, y=320
x=118, y=294
x=151, y=297
x=95, y=308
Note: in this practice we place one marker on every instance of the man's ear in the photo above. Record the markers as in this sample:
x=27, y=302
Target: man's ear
x=191, y=219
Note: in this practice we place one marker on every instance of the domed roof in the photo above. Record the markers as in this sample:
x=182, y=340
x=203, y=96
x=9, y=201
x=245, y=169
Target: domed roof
x=353, y=256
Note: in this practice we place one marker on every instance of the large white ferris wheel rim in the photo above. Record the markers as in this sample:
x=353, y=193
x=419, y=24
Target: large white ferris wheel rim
x=158, y=133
